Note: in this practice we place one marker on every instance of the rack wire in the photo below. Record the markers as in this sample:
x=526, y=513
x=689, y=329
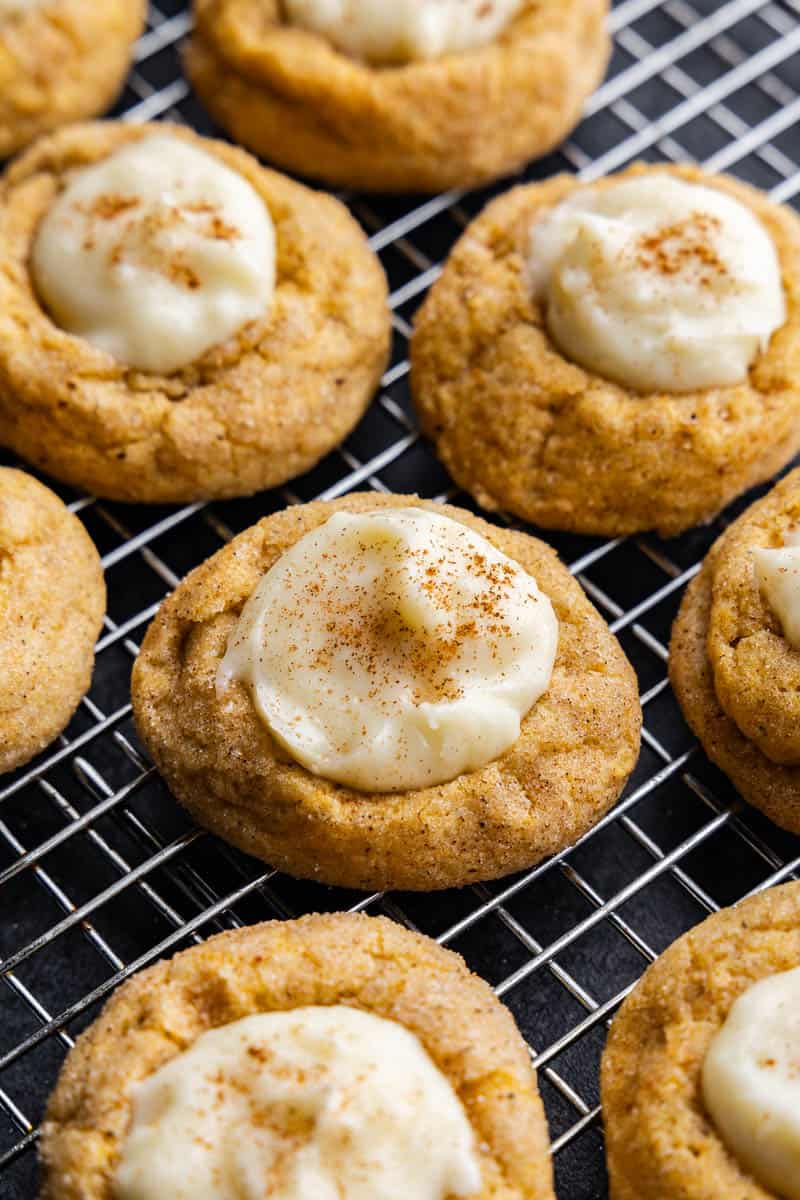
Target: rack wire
x=101, y=873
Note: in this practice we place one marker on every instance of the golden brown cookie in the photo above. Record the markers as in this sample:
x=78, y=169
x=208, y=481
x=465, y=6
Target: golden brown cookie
x=61, y=61
x=52, y=601
x=577, y=746
x=292, y=97
x=250, y=413
x=725, y=591
x=756, y=670
x=367, y=963
x=522, y=428
x=661, y=1144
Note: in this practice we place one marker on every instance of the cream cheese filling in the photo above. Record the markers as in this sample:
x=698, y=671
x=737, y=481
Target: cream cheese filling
x=778, y=575
x=155, y=254
x=309, y=1104
x=657, y=284
x=393, y=649
x=751, y=1082
x=396, y=31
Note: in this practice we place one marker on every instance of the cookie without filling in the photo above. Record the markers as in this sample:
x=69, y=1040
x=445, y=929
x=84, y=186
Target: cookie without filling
x=577, y=746
x=522, y=428
x=52, y=601
x=367, y=963
x=62, y=61
x=733, y=671
x=660, y=1141
x=250, y=413
x=289, y=95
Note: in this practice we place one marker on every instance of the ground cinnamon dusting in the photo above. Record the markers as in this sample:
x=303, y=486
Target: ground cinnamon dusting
x=140, y=233
x=387, y=646
x=110, y=205
x=684, y=245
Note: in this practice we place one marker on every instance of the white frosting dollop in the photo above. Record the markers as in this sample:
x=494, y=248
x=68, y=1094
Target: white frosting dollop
x=390, y=31
x=310, y=1104
x=778, y=576
x=156, y=253
x=657, y=284
x=394, y=649
x=751, y=1082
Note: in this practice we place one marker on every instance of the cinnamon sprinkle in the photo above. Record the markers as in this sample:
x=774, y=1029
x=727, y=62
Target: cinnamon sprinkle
x=387, y=647
x=139, y=235
x=111, y=205
x=686, y=244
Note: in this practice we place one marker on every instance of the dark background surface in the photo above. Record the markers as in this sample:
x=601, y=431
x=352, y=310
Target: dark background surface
x=716, y=82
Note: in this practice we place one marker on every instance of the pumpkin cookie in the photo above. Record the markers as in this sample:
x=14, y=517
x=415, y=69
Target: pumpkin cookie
x=229, y=330
x=384, y=692
x=61, y=61
x=397, y=98
x=615, y=356
x=329, y=1037
x=700, y=1099
x=735, y=655
x=52, y=601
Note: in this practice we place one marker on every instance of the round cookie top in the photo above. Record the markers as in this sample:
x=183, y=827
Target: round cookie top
x=156, y=254
x=458, y=93
x=247, y=413
x=315, y=1101
x=772, y=787
x=756, y=667
x=52, y=601
x=570, y=448
x=368, y=964
x=660, y=1139
x=576, y=746
x=62, y=61
x=657, y=283
x=393, y=650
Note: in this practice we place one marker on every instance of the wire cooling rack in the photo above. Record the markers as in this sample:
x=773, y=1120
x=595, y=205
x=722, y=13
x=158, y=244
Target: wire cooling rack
x=101, y=873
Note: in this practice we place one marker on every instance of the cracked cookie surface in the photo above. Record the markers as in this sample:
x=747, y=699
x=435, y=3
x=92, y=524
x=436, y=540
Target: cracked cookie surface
x=660, y=1142
x=368, y=963
x=456, y=121
x=577, y=746
x=62, y=61
x=522, y=428
x=52, y=601
x=732, y=672
x=251, y=413
x=756, y=669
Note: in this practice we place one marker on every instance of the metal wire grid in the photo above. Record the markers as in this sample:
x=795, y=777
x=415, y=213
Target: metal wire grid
x=100, y=873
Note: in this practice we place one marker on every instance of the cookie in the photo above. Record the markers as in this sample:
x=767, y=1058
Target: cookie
x=756, y=669
x=52, y=602
x=61, y=61
x=368, y=964
x=522, y=427
x=726, y=631
x=457, y=120
x=575, y=749
x=660, y=1140
x=246, y=413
